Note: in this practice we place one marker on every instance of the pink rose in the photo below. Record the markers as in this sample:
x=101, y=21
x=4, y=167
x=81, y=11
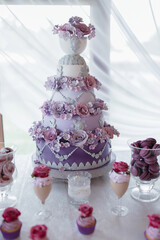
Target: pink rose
x=120, y=167
x=11, y=214
x=83, y=28
x=109, y=132
x=8, y=168
x=6, y=154
x=89, y=82
x=41, y=171
x=86, y=210
x=50, y=135
x=79, y=138
x=38, y=232
x=154, y=220
x=82, y=110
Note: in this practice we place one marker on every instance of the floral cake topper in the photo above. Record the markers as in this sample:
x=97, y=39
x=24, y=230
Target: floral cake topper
x=86, y=210
x=38, y=232
x=41, y=171
x=74, y=28
x=121, y=167
x=11, y=214
x=154, y=220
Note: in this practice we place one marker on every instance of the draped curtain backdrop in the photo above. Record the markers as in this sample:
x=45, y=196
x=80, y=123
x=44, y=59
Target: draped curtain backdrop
x=124, y=56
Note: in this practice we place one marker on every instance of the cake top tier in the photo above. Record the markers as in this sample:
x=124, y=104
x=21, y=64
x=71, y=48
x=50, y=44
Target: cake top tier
x=74, y=28
x=72, y=66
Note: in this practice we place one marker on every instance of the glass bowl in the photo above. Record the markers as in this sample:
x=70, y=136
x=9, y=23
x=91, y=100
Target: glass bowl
x=144, y=168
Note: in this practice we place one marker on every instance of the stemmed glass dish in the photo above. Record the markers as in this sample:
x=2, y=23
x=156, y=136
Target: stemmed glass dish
x=8, y=173
x=119, y=180
x=42, y=182
x=145, y=157
x=79, y=188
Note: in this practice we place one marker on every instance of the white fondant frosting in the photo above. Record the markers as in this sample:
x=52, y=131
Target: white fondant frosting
x=67, y=95
x=72, y=66
x=86, y=123
x=73, y=45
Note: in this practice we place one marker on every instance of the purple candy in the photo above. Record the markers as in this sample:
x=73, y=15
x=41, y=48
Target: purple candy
x=136, y=156
x=154, y=168
x=155, y=175
x=145, y=153
x=150, y=160
x=135, y=146
x=149, y=142
x=156, y=152
x=145, y=176
x=135, y=171
x=141, y=164
x=133, y=162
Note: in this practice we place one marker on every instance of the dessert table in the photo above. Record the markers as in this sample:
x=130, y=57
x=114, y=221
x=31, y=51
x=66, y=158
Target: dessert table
x=62, y=224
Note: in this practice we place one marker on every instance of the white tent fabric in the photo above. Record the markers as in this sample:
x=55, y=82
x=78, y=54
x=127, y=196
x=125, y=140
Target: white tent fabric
x=124, y=56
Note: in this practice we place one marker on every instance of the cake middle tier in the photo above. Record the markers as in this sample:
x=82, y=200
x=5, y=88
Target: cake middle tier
x=76, y=123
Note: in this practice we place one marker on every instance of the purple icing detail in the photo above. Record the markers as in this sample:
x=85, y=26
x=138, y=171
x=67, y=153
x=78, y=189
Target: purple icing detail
x=86, y=230
x=11, y=235
x=79, y=156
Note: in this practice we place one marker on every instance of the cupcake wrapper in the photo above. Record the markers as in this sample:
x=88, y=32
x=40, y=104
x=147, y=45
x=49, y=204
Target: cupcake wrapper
x=11, y=235
x=86, y=230
x=145, y=235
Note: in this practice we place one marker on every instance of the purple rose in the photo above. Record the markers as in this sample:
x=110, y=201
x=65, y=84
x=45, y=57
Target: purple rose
x=83, y=28
x=89, y=82
x=58, y=108
x=50, y=135
x=79, y=138
x=82, y=110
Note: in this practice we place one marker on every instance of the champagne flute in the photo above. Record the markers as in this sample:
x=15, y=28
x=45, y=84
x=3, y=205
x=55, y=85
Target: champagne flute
x=42, y=188
x=119, y=180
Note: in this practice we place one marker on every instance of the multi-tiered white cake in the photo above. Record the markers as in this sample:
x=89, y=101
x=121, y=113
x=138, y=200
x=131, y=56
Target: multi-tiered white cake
x=72, y=134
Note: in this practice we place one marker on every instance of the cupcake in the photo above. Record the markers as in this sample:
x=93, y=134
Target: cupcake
x=86, y=222
x=38, y=232
x=11, y=226
x=153, y=230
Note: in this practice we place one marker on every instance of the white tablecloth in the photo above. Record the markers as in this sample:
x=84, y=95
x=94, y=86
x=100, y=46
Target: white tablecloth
x=63, y=223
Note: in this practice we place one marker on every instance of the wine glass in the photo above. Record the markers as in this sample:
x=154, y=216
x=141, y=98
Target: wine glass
x=119, y=180
x=42, y=188
x=145, y=159
x=8, y=174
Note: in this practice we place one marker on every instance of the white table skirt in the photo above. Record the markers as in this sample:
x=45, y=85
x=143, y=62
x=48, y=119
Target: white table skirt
x=63, y=223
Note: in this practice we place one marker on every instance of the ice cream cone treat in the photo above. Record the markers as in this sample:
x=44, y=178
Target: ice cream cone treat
x=38, y=232
x=86, y=222
x=11, y=226
x=7, y=167
x=153, y=230
x=42, y=182
x=119, y=178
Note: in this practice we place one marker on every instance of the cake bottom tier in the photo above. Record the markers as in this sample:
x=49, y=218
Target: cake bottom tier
x=73, y=158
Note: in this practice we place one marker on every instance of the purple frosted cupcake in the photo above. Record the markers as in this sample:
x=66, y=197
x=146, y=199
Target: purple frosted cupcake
x=11, y=226
x=86, y=222
x=153, y=230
